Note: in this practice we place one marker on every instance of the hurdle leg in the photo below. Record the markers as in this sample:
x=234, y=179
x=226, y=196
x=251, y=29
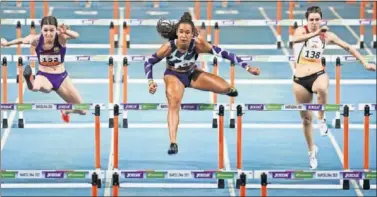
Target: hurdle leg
x=115, y=177
x=232, y=122
x=20, y=77
x=263, y=185
x=221, y=182
x=209, y=17
x=125, y=91
x=97, y=144
x=374, y=44
x=214, y=96
x=94, y=184
x=362, y=16
x=5, y=92
x=346, y=183
x=5, y=120
x=111, y=91
x=366, y=182
x=243, y=185
x=337, y=121
x=278, y=15
x=239, y=146
x=20, y=93
x=291, y=29
x=215, y=71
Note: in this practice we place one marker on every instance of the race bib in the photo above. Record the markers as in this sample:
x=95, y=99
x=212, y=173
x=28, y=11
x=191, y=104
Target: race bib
x=312, y=54
x=50, y=60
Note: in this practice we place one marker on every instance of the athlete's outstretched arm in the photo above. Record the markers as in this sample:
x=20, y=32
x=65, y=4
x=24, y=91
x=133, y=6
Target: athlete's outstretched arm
x=202, y=46
x=25, y=40
x=336, y=40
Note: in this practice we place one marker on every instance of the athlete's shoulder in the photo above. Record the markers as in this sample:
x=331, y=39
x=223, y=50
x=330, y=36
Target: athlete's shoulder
x=34, y=39
x=300, y=30
x=199, y=40
x=164, y=50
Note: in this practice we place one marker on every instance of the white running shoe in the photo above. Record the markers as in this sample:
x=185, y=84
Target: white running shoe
x=313, y=158
x=322, y=126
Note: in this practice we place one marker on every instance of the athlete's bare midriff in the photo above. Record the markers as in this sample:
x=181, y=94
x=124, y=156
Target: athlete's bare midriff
x=303, y=70
x=52, y=69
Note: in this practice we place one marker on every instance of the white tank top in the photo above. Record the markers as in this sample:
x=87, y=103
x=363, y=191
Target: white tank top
x=309, y=51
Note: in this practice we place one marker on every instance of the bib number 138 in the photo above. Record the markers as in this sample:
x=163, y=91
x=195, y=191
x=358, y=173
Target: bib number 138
x=312, y=54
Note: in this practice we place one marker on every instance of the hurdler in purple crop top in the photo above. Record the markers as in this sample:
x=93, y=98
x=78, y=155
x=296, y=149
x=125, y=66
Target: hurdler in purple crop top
x=52, y=57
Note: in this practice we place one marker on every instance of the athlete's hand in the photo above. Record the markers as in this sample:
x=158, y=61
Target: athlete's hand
x=371, y=67
x=62, y=29
x=322, y=29
x=3, y=42
x=253, y=70
x=152, y=86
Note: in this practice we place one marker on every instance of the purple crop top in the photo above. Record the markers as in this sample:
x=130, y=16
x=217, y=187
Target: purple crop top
x=51, y=57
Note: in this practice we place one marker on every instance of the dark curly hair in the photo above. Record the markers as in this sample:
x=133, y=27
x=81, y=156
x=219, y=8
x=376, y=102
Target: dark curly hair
x=168, y=29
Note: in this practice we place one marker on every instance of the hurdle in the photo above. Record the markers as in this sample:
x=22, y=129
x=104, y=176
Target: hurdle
x=373, y=43
x=219, y=174
x=207, y=23
x=95, y=176
x=345, y=176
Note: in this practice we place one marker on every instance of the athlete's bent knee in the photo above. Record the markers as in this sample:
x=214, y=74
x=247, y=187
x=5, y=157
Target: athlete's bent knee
x=36, y=88
x=306, y=120
x=173, y=101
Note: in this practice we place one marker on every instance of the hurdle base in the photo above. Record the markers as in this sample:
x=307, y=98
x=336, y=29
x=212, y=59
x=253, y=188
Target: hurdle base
x=278, y=45
x=99, y=183
x=125, y=123
x=5, y=123
x=221, y=184
x=232, y=123
x=111, y=122
x=346, y=184
x=96, y=182
x=214, y=123
x=374, y=45
x=337, y=123
x=238, y=184
x=21, y=123
x=366, y=184
x=290, y=44
x=361, y=44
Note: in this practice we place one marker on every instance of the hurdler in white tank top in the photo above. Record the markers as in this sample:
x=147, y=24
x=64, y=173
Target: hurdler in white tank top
x=310, y=51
